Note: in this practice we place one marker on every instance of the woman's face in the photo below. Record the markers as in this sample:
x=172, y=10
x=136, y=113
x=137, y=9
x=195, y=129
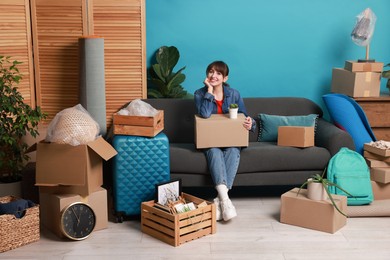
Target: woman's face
x=216, y=78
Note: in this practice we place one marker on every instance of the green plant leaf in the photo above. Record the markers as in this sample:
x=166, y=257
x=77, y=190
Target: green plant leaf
x=386, y=74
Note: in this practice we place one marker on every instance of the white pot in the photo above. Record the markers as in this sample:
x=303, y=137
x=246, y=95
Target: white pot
x=315, y=191
x=11, y=189
x=233, y=113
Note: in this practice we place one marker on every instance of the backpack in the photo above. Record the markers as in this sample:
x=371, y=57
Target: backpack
x=349, y=170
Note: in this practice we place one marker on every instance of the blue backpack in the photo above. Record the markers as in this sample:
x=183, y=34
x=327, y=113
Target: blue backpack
x=349, y=170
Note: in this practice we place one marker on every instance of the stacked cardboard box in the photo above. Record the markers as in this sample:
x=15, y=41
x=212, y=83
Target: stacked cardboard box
x=379, y=162
x=357, y=79
x=67, y=174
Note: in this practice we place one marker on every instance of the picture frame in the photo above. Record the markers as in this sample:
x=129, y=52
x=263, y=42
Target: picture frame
x=168, y=191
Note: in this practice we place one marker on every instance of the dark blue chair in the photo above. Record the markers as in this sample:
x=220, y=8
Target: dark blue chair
x=348, y=115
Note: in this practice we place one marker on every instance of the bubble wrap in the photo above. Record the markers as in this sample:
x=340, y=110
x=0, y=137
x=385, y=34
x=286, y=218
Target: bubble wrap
x=72, y=126
x=137, y=107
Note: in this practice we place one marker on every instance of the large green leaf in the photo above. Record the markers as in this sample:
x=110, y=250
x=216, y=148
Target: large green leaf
x=167, y=57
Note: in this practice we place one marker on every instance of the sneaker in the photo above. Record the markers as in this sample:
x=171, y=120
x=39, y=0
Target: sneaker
x=228, y=210
x=218, y=210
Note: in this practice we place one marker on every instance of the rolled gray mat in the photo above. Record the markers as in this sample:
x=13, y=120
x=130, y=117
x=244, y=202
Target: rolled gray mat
x=92, y=88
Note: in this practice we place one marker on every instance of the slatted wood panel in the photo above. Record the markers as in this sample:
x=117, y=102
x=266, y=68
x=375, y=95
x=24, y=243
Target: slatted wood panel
x=57, y=25
x=15, y=41
x=122, y=25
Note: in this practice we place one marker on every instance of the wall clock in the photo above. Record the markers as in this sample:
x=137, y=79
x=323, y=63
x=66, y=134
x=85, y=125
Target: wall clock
x=77, y=221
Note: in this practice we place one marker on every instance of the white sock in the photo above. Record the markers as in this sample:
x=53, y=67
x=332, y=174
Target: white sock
x=222, y=191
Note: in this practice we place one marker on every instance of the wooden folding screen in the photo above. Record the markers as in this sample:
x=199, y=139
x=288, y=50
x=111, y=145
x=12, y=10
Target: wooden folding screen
x=15, y=41
x=57, y=26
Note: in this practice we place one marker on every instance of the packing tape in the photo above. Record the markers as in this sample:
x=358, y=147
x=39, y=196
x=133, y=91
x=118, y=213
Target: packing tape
x=368, y=76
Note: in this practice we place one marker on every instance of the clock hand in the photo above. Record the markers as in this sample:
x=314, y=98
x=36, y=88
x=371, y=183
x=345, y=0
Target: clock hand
x=78, y=218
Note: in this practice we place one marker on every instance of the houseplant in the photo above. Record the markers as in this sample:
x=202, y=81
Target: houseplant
x=16, y=120
x=386, y=74
x=317, y=178
x=162, y=81
x=233, y=110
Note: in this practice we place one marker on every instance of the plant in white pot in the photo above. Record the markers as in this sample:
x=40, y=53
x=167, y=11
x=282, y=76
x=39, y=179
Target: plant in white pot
x=16, y=120
x=233, y=110
x=317, y=189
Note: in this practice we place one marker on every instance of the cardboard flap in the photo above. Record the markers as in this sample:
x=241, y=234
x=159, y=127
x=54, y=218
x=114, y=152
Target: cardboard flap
x=103, y=148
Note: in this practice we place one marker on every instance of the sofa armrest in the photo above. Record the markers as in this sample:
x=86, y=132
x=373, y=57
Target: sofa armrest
x=331, y=137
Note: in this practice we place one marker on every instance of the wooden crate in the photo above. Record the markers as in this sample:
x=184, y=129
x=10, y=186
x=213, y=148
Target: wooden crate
x=177, y=229
x=17, y=232
x=148, y=126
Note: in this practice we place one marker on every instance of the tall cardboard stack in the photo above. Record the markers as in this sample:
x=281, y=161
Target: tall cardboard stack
x=379, y=162
x=357, y=79
x=66, y=174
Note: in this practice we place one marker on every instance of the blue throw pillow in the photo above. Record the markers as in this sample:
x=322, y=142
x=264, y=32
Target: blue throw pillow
x=269, y=124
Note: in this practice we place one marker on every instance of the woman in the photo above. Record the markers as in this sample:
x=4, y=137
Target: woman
x=215, y=98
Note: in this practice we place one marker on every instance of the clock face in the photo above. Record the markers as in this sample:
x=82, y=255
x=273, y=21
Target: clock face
x=77, y=221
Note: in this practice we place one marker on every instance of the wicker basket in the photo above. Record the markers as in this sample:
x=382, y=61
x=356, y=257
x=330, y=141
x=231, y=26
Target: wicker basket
x=16, y=232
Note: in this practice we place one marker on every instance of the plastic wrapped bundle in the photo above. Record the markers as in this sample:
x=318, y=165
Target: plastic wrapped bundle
x=364, y=28
x=73, y=126
x=137, y=107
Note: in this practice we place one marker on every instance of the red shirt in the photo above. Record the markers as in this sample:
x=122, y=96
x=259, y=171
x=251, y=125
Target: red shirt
x=219, y=106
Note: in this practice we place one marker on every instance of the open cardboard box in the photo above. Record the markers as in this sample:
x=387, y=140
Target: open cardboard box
x=74, y=169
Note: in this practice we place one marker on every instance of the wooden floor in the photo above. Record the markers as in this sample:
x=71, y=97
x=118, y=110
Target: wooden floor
x=255, y=234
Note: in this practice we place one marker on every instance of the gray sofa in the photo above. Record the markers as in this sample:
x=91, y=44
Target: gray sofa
x=262, y=163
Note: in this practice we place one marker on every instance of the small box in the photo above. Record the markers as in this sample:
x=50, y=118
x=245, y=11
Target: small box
x=377, y=150
x=356, y=84
x=70, y=168
x=355, y=66
x=220, y=131
x=381, y=190
x=300, y=211
x=370, y=155
x=296, y=136
x=376, y=163
x=53, y=204
x=17, y=232
x=381, y=175
x=148, y=126
x=177, y=229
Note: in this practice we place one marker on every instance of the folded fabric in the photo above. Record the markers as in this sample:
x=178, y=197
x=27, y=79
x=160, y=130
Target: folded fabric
x=16, y=207
x=269, y=124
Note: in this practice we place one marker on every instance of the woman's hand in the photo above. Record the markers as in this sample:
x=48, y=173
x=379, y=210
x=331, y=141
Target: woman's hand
x=247, y=123
x=207, y=83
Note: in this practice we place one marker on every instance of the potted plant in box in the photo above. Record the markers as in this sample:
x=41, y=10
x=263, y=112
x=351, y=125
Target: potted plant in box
x=233, y=110
x=317, y=185
x=16, y=120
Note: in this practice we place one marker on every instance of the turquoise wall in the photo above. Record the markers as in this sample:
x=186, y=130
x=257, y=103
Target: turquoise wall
x=273, y=48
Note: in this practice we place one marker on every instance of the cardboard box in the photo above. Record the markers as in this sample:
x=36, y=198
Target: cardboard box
x=220, y=131
x=356, y=84
x=381, y=175
x=319, y=215
x=296, y=136
x=355, y=66
x=177, y=229
x=376, y=163
x=381, y=190
x=376, y=150
x=148, y=126
x=369, y=155
x=53, y=204
x=77, y=169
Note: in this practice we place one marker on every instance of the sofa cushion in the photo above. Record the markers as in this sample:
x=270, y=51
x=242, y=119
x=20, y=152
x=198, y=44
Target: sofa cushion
x=185, y=158
x=267, y=156
x=269, y=124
